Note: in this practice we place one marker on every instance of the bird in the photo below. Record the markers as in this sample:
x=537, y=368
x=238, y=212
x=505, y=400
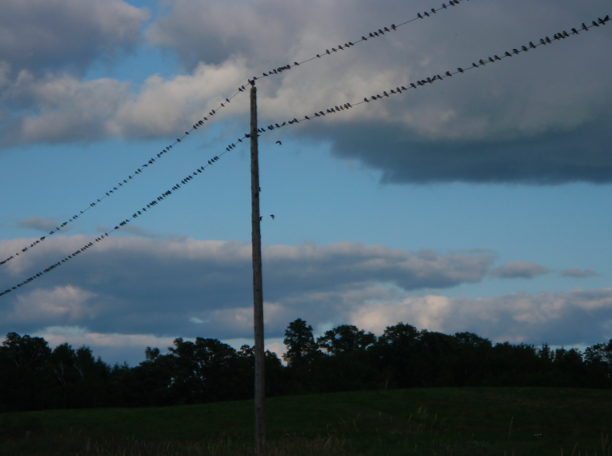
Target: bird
x=272, y=215
x=279, y=143
x=419, y=15
x=460, y=70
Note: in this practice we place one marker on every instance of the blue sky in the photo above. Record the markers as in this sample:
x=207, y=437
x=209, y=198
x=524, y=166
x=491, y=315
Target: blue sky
x=476, y=203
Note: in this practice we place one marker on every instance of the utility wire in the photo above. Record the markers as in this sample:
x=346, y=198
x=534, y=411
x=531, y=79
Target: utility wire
x=115, y=188
x=460, y=70
x=366, y=37
x=112, y=190
x=335, y=109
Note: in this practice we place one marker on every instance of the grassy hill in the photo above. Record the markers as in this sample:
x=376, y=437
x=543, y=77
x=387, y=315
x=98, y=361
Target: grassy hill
x=474, y=421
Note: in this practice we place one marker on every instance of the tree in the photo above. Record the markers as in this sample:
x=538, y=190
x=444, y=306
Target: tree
x=473, y=354
x=400, y=335
x=598, y=359
x=301, y=346
x=393, y=354
x=346, y=339
x=205, y=370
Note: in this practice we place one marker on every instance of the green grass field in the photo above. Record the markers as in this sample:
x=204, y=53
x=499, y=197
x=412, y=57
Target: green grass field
x=436, y=421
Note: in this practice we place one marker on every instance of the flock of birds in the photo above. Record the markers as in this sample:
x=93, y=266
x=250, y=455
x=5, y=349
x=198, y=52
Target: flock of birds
x=213, y=112
x=332, y=110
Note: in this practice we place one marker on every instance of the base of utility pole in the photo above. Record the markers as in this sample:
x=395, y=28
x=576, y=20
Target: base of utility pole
x=260, y=391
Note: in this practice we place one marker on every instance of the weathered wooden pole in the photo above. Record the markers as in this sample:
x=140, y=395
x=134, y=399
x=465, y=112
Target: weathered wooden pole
x=260, y=392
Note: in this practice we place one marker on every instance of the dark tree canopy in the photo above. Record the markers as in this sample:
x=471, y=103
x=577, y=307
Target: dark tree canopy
x=33, y=376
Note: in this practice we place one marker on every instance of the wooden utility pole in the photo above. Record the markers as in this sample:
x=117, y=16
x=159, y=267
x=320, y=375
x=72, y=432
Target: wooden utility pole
x=260, y=391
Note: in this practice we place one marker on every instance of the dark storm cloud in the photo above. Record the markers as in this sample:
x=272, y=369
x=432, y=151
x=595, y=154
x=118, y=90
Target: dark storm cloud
x=43, y=35
x=554, y=157
x=540, y=118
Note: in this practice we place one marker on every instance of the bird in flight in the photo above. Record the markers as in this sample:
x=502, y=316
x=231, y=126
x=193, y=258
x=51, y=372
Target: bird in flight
x=279, y=143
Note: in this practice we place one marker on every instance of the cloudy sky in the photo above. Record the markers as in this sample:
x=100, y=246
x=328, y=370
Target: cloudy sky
x=478, y=203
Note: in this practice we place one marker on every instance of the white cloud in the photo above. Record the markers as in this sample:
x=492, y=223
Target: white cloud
x=61, y=304
x=576, y=317
x=67, y=109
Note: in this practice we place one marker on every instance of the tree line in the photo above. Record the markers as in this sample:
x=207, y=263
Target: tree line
x=35, y=377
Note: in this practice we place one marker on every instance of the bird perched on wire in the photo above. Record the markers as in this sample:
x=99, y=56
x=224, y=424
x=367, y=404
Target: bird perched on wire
x=272, y=215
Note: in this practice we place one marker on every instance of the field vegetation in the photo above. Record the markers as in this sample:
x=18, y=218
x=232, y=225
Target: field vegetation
x=419, y=421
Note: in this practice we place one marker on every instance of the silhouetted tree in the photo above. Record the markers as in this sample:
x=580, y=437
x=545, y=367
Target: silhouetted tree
x=345, y=339
x=301, y=346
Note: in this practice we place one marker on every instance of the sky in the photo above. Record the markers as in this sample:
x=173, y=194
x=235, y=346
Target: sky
x=478, y=202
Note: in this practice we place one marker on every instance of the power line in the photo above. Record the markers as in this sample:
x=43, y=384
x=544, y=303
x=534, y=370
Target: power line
x=460, y=70
x=366, y=37
x=334, y=109
x=112, y=190
x=115, y=188
x=153, y=203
